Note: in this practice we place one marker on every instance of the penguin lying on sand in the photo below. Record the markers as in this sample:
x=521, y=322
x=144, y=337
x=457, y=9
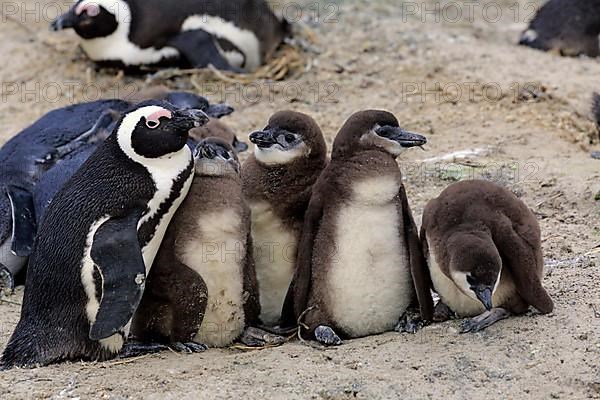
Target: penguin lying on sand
x=359, y=260
x=232, y=35
x=570, y=27
x=484, y=255
x=99, y=238
x=289, y=155
x=202, y=289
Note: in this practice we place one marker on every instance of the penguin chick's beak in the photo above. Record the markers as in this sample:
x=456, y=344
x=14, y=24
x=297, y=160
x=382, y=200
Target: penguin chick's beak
x=484, y=294
x=219, y=110
x=65, y=21
x=263, y=139
x=198, y=116
x=404, y=138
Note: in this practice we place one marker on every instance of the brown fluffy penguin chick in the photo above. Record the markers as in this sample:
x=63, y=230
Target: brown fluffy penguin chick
x=359, y=242
x=202, y=288
x=484, y=255
x=289, y=154
x=216, y=128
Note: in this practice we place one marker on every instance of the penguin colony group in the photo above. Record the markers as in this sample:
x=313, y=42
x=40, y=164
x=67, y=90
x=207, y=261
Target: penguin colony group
x=141, y=230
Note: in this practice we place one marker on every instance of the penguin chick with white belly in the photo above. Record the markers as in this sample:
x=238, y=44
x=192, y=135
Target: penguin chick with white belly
x=359, y=260
x=289, y=154
x=484, y=255
x=99, y=238
x=202, y=289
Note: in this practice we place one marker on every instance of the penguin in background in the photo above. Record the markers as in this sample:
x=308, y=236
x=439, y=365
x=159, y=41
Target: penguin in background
x=359, y=262
x=570, y=27
x=289, y=154
x=483, y=250
x=237, y=35
x=202, y=290
x=99, y=238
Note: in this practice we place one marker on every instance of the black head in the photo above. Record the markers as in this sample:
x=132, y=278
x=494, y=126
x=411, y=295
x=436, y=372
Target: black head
x=475, y=266
x=154, y=129
x=215, y=157
x=374, y=129
x=289, y=136
x=90, y=18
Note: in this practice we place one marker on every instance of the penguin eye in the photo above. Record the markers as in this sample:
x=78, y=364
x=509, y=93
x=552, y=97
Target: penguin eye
x=289, y=138
x=152, y=124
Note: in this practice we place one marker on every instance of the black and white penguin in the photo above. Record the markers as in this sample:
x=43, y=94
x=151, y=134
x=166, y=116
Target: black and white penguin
x=359, y=260
x=99, y=238
x=570, y=27
x=289, y=154
x=37, y=161
x=202, y=289
x=24, y=160
x=484, y=255
x=233, y=35
x=54, y=178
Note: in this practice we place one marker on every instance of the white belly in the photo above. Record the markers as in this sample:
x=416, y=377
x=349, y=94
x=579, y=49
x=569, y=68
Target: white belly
x=274, y=257
x=218, y=256
x=369, y=280
x=451, y=295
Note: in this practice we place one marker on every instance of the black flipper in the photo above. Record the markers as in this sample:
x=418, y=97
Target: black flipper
x=198, y=47
x=418, y=267
x=103, y=126
x=296, y=300
x=23, y=219
x=117, y=254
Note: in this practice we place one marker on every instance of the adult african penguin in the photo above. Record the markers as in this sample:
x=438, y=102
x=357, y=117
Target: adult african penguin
x=27, y=157
x=233, y=35
x=70, y=161
x=202, y=288
x=570, y=27
x=359, y=260
x=289, y=154
x=99, y=238
x=484, y=256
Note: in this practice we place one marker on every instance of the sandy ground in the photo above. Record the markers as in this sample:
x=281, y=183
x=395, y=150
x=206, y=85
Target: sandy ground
x=463, y=83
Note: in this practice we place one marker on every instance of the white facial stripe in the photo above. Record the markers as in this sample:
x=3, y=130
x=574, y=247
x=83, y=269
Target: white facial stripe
x=460, y=279
x=164, y=170
x=275, y=155
x=243, y=39
x=391, y=146
x=117, y=46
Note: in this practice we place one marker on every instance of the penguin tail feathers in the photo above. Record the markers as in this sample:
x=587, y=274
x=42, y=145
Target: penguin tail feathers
x=596, y=107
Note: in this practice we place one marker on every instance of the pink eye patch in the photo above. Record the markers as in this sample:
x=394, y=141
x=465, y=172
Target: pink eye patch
x=90, y=8
x=153, y=120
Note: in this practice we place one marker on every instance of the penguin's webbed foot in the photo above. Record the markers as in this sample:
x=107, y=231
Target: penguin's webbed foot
x=188, y=347
x=442, y=312
x=7, y=281
x=410, y=322
x=256, y=337
x=135, y=349
x=325, y=335
x=484, y=320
